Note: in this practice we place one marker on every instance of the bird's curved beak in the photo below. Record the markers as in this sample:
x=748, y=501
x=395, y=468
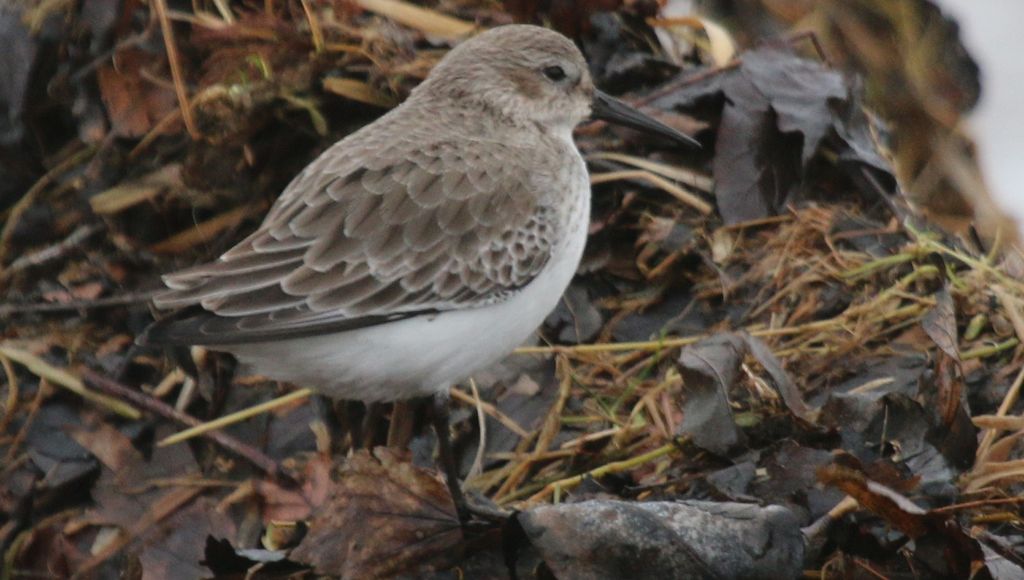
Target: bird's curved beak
x=608, y=108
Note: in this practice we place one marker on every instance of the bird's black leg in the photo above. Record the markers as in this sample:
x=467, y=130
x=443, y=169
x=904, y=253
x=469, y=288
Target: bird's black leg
x=371, y=425
x=439, y=419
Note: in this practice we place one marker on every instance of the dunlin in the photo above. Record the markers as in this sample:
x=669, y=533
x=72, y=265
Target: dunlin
x=422, y=247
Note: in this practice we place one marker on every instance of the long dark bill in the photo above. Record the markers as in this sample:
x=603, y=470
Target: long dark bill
x=608, y=108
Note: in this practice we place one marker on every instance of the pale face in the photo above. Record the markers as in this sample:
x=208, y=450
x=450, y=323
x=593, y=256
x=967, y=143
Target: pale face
x=556, y=91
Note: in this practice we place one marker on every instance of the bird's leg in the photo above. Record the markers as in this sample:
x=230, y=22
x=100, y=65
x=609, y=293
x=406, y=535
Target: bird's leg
x=439, y=419
x=354, y=414
x=402, y=424
x=371, y=424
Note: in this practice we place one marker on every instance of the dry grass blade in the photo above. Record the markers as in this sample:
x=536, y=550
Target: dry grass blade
x=176, y=73
x=556, y=488
x=722, y=47
x=357, y=90
x=206, y=231
x=1009, y=400
x=45, y=370
x=423, y=19
x=314, y=26
x=491, y=410
x=127, y=195
x=29, y=198
x=657, y=181
x=998, y=422
x=235, y=417
x=690, y=177
x=548, y=431
x=478, y=461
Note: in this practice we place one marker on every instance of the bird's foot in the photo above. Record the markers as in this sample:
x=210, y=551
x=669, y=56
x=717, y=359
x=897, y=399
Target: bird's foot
x=478, y=510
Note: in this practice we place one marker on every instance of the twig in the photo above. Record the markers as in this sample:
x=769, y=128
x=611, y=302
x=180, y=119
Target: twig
x=977, y=504
x=9, y=309
x=53, y=252
x=257, y=457
x=37, y=189
x=167, y=505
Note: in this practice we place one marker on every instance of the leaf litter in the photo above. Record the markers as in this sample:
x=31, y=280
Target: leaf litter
x=770, y=363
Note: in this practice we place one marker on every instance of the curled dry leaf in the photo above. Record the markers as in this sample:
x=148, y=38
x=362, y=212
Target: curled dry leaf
x=709, y=369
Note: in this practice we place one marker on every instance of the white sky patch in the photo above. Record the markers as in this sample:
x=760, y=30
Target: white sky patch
x=991, y=31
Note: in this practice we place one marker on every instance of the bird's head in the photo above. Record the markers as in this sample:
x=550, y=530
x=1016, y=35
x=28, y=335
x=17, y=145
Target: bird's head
x=529, y=74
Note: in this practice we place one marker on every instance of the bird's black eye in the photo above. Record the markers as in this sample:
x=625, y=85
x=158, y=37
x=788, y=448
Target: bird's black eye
x=554, y=73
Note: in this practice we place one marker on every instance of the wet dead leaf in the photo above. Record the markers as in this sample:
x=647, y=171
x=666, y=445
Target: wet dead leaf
x=778, y=111
x=125, y=494
x=385, y=517
x=709, y=369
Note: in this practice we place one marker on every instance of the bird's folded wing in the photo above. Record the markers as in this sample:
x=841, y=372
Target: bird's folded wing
x=369, y=243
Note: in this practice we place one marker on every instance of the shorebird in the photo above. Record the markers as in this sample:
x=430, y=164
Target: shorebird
x=423, y=247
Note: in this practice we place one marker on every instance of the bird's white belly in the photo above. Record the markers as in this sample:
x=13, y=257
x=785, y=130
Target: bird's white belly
x=425, y=354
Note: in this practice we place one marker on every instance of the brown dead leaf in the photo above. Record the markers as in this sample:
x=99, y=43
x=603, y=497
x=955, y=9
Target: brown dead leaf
x=175, y=548
x=124, y=494
x=110, y=446
x=939, y=541
x=133, y=104
x=385, y=517
x=896, y=509
x=282, y=504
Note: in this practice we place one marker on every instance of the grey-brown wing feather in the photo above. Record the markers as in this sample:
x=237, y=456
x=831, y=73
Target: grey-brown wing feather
x=354, y=244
